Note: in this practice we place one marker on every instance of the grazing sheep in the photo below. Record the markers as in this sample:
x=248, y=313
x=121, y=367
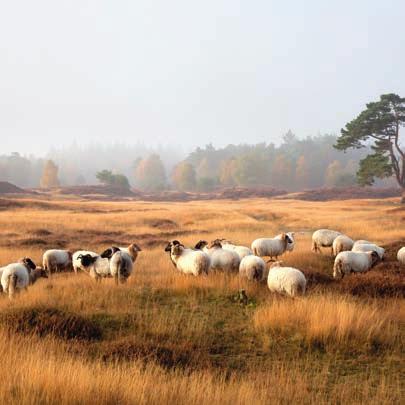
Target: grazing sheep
x=56, y=259
x=367, y=247
x=323, y=238
x=121, y=264
x=361, y=242
x=358, y=262
x=342, y=243
x=97, y=267
x=188, y=261
x=242, y=251
x=401, y=255
x=272, y=247
x=133, y=249
x=18, y=276
x=76, y=260
x=252, y=267
x=221, y=259
x=286, y=280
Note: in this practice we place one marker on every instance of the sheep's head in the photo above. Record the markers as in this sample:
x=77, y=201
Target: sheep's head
x=177, y=250
x=87, y=259
x=375, y=258
x=28, y=263
x=215, y=244
x=40, y=272
x=201, y=244
x=108, y=253
x=135, y=247
x=171, y=244
x=276, y=264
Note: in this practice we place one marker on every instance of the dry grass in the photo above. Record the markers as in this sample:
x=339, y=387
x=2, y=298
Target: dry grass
x=334, y=321
x=165, y=337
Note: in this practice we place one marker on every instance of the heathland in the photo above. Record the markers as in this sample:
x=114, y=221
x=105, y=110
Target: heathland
x=168, y=338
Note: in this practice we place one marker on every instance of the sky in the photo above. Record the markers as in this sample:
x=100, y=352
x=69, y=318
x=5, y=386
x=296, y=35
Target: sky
x=187, y=73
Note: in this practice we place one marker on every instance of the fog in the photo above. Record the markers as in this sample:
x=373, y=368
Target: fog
x=185, y=73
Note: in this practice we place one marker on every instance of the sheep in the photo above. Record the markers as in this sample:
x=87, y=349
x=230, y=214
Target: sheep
x=342, y=243
x=367, y=247
x=286, y=280
x=221, y=259
x=121, y=264
x=401, y=255
x=242, y=251
x=361, y=242
x=132, y=250
x=188, y=261
x=358, y=262
x=252, y=267
x=96, y=266
x=56, y=259
x=272, y=247
x=76, y=259
x=323, y=238
x=17, y=276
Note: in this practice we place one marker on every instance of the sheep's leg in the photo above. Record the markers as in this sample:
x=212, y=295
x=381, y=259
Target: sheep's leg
x=116, y=279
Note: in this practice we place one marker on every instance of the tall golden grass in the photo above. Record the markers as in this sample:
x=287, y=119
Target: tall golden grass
x=226, y=342
x=334, y=320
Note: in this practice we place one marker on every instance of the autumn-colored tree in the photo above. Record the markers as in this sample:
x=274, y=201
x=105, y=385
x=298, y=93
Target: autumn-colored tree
x=302, y=173
x=150, y=174
x=49, y=175
x=333, y=171
x=184, y=177
x=282, y=172
x=227, y=175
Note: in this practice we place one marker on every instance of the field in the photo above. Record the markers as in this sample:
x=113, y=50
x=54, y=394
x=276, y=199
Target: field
x=168, y=338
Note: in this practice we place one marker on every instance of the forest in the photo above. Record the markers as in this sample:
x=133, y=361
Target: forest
x=294, y=164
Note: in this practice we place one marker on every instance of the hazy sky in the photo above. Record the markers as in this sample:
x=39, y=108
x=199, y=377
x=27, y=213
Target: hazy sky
x=191, y=72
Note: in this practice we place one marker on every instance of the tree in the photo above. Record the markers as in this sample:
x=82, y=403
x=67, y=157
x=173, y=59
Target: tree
x=150, y=173
x=228, y=172
x=107, y=177
x=302, y=173
x=379, y=123
x=49, y=175
x=282, y=172
x=184, y=177
x=333, y=171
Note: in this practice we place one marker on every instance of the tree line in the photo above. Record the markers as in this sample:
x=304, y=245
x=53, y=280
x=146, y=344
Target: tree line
x=374, y=153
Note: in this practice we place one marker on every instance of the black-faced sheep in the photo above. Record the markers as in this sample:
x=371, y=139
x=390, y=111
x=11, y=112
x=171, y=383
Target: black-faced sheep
x=188, y=261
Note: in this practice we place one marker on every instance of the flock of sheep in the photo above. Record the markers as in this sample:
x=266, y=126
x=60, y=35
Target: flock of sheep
x=219, y=255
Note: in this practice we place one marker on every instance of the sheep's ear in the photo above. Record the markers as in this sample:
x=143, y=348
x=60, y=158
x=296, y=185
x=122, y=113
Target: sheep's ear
x=107, y=254
x=137, y=247
x=168, y=248
x=115, y=249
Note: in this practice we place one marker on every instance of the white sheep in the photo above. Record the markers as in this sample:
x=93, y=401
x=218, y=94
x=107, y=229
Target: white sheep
x=97, y=267
x=56, y=260
x=286, y=280
x=76, y=260
x=323, y=238
x=242, y=251
x=121, y=264
x=18, y=276
x=188, y=261
x=358, y=262
x=252, y=267
x=221, y=259
x=272, y=247
x=361, y=242
x=401, y=255
x=342, y=243
x=367, y=247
